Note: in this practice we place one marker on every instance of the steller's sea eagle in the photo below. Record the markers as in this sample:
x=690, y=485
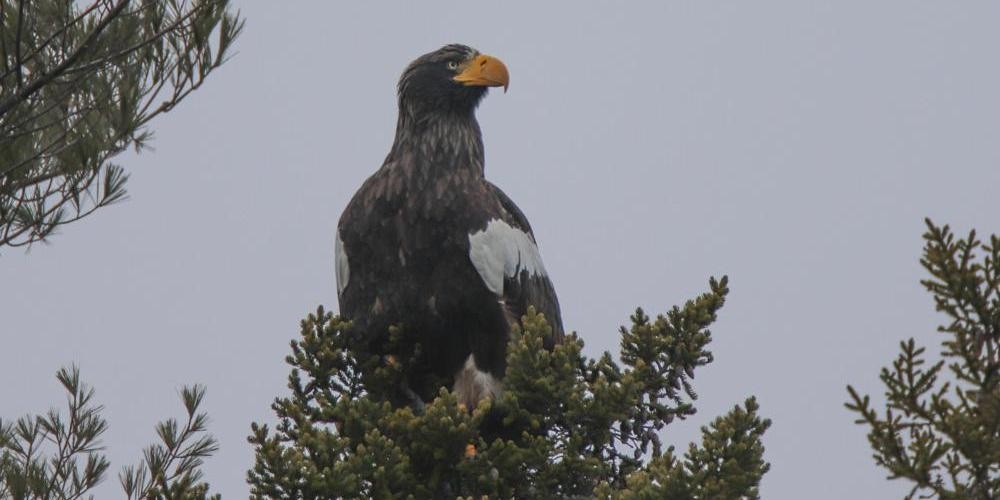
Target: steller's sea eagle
x=429, y=244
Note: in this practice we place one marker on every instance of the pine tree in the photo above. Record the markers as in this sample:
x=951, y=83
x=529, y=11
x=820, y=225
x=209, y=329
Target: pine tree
x=79, y=85
x=565, y=426
x=940, y=428
x=55, y=456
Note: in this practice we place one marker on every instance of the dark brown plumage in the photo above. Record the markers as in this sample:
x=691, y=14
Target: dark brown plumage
x=428, y=243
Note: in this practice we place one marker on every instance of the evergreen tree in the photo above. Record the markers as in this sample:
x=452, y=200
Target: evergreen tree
x=79, y=85
x=564, y=427
x=940, y=427
x=53, y=456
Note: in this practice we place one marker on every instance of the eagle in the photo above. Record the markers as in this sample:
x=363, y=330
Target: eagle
x=430, y=245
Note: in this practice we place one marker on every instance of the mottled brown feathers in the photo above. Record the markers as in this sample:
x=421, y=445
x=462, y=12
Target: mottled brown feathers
x=422, y=237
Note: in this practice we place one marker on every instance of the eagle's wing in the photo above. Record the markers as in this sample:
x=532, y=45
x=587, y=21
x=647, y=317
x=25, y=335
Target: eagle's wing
x=507, y=259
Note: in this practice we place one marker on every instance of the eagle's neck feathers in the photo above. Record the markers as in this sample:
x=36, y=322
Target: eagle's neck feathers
x=436, y=142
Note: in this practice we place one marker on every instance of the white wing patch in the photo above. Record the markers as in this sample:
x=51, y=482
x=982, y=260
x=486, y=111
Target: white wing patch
x=501, y=251
x=341, y=265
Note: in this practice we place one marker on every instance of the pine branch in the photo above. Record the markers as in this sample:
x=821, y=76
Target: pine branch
x=56, y=456
x=944, y=435
x=564, y=427
x=96, y=78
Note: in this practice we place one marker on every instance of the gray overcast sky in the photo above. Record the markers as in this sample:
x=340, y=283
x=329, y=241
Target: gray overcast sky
x=794, y=145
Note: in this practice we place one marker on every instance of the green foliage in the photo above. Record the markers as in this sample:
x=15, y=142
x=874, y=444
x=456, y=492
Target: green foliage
x=565, y=425
x=74, y=466
x=79, y=85
x=944, y=435
x=51, y=456
x=728, y=464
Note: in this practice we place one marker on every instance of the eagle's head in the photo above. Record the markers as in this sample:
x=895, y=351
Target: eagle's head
x=453, y=78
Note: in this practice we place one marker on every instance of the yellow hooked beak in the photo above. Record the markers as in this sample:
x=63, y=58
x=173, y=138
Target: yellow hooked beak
x=484, y=71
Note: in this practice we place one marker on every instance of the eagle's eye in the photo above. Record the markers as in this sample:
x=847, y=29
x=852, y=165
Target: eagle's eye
x=452, y=65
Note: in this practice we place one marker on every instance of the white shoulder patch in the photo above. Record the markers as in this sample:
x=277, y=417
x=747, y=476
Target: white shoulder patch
x=340, y=264
x=501, y=251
